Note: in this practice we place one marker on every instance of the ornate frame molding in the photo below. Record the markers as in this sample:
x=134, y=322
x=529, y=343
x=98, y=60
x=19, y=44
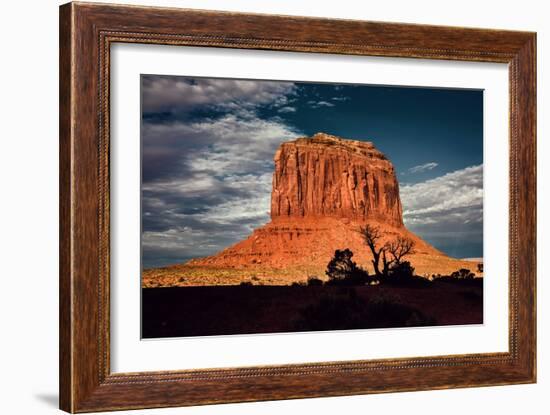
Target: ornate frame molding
x=87, y=31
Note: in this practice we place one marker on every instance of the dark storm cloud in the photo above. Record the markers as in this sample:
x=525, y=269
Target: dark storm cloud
x=167, y=93
x=206, y=178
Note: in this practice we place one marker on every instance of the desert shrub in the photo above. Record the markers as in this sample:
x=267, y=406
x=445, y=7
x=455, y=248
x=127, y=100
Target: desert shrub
x=361, y=277
x=314, y=281
x=341, y=265
x=402, y=274
x=463, y=273
x=246, y=284
x=401, y=270
x=342, y=270
x=298, y=284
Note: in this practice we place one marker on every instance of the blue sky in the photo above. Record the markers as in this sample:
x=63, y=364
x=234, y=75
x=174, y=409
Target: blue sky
x=208, y=145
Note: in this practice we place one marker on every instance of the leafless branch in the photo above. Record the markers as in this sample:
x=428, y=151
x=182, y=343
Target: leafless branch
x=400, y=247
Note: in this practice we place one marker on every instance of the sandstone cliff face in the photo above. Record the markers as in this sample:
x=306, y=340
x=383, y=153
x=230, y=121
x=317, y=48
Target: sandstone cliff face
x=328, y=176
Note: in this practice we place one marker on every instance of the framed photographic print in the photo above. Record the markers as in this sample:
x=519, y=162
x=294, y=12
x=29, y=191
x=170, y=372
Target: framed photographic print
x=260, y=207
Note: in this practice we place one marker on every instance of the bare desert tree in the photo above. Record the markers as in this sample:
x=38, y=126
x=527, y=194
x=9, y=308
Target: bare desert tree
x=391, y=253
x=371, y=234
x=399, y=248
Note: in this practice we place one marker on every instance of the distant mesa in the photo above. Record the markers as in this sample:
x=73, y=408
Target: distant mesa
x=324, y=188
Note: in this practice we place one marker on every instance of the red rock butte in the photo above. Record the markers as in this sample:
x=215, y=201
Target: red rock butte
x=324, y=188
x=328, y=176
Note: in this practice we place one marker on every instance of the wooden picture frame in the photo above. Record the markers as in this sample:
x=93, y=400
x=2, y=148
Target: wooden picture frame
x=86, y=33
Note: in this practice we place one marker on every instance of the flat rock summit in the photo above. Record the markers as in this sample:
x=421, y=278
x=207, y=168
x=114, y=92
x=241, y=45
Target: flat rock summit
x=324, y=188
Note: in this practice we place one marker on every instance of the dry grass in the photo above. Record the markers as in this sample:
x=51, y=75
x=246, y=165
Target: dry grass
x=188, y=275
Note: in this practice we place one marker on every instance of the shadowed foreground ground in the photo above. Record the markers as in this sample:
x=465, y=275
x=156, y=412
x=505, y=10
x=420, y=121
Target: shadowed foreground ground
x=222, y=310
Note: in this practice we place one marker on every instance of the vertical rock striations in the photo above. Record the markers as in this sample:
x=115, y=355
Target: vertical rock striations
x=329, y=176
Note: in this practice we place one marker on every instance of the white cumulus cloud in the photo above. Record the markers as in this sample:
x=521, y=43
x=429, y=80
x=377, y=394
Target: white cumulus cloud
x=287, y=109
x=454, y=198
x=423, y=167
x=447, y=211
